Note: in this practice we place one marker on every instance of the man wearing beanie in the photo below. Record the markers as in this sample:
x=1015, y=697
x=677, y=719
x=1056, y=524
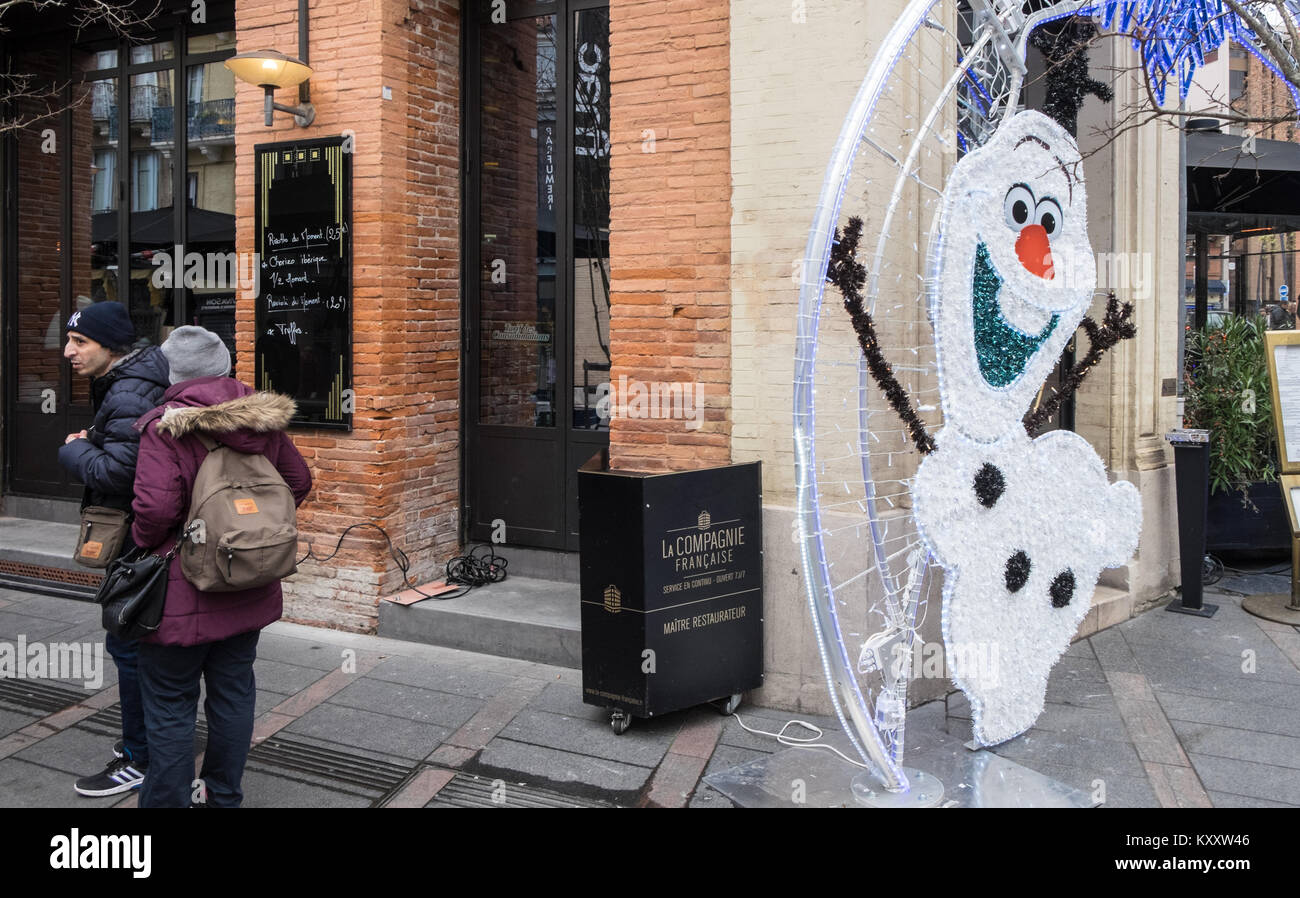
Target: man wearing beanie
x=125, y=383
x=208, y=636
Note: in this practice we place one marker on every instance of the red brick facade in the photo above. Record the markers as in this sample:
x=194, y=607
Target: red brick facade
x=399, y=466
x=670, y=225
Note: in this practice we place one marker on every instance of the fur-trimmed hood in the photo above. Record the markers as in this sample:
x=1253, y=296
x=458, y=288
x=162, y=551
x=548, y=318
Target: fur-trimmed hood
x=225, y=409
x=258, y=412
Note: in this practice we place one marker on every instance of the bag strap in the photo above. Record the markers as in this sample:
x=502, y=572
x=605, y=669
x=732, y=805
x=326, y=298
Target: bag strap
x=208, y=442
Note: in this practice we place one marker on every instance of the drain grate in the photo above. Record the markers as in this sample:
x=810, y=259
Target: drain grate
x=284, y=753
x=50, y=581
x=331, y=764
x=39, y=695
x=468, y=791
x=58, y=575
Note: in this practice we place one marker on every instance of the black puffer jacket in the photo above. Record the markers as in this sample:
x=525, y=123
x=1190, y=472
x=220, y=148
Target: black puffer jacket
x=105, y=460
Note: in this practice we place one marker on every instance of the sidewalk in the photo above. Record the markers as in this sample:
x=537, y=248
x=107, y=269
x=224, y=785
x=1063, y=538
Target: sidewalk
x=1163, y=710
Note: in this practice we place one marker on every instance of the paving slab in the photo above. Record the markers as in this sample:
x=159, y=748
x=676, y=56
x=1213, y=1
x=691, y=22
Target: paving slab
x=1223, y=687
x=1254, y=584
x=1113, y=651
x=27, y=785
x=1242, y=745
x=1037, y=747
x=644, y=744
x=517, y=761
x=1247, y=779
x=1118, y=791
x=369, y=731
x=708, y=797
x=1081, y=721
x=286, y=679
x=480, y=684
x=67, y=610
x=15, y=719
x=13, y=623
x=75, y=751
x=1240, y=715
x=409, y=702
x=566, y=698
x=1228, y=800
x=298, y=652
x=1259, y=657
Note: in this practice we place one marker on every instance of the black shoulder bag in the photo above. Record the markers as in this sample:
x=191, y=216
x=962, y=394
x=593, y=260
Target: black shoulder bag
x=133, y=592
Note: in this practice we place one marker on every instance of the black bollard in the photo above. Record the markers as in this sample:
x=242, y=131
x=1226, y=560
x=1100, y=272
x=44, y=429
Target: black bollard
x=1192, y=488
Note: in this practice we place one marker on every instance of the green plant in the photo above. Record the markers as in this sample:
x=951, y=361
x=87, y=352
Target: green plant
x=1227, y=393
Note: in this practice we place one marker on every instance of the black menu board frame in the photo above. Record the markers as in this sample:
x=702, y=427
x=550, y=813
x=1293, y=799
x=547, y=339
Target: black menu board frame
x=303, y=313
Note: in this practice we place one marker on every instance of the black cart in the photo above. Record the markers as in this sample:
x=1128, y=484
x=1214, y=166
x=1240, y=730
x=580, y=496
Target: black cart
x=672, y=588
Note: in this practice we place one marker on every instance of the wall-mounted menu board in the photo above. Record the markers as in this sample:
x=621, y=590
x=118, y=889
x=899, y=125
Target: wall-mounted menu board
x=303, y=312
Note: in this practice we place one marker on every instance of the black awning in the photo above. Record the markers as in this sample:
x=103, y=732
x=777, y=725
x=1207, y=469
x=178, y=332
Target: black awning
x=1230, y=191
x=154, y=227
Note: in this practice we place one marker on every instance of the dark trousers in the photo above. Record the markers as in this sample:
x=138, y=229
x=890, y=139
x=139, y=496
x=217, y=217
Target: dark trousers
x=169, y=681
x=126, y=657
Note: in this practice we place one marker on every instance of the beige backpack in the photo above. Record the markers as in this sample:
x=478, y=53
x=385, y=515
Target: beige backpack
x=242, y=527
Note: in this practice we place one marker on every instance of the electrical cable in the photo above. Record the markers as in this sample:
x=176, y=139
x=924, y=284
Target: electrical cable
x=470, y=570
x=796, y=741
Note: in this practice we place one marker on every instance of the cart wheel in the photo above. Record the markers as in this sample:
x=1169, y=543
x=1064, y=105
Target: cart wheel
x=619, y=721
x=731, y=704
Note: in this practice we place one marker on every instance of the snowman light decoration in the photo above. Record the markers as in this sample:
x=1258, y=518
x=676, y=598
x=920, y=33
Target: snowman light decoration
x=1022, y=527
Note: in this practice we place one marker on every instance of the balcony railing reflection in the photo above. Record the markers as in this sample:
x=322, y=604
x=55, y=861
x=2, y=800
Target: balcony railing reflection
x=206, y=120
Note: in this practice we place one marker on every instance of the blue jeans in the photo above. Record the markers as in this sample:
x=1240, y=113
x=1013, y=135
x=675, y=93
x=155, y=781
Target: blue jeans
x=125, y=656
x=169, y=682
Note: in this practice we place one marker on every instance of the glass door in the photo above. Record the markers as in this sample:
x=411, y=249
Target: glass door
x=536, y=266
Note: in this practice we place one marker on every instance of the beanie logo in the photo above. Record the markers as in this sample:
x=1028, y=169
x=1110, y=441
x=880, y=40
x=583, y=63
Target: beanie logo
x=76, y=317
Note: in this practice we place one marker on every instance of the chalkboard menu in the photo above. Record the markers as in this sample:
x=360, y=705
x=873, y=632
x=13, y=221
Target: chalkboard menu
x=303, y=313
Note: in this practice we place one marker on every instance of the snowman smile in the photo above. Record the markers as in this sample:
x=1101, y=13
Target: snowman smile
x=1001, y=349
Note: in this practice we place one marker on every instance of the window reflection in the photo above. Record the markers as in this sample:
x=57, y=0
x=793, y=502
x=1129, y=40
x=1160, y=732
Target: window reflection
x=210, y=190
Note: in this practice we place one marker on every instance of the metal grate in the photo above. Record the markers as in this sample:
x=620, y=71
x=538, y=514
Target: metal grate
x=49, y=581
x=330, y=764
x=57, y=575
x=39, y=695
x=468, y=791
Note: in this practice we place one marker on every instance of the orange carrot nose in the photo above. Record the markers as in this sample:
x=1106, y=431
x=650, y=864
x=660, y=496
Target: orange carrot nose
x=1035, y=251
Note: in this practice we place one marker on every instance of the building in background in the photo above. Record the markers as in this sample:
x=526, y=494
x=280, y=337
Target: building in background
x=552, y=202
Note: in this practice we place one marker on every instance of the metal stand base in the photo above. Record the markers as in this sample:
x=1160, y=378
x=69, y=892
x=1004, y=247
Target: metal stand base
x=1206, y=609
x=923, y=792
x=818, y=779
x=1275, y=607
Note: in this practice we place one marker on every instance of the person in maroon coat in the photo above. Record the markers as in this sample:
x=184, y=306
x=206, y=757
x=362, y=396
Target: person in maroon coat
x=208, y=635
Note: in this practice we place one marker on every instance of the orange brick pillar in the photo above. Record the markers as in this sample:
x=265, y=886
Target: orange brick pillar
x=399, y=466
x=670, y=229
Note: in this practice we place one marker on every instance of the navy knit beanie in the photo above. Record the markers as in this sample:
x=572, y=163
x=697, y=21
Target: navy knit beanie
x=107, y=323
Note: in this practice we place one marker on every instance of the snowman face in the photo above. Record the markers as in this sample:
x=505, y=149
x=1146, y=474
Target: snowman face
x=1015, y=272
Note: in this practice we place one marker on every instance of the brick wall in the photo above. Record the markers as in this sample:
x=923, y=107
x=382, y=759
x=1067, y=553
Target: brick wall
x=399, y=465
x=40, y=224
x=670, y=223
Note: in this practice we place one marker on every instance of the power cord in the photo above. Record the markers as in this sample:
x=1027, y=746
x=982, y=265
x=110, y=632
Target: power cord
x=799, y=741
x=470, y=570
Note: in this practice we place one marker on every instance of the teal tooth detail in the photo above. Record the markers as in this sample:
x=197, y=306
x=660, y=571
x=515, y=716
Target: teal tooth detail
x=1002, y=350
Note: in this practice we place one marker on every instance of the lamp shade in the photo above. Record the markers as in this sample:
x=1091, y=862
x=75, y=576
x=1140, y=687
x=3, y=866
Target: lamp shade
x=268, y=68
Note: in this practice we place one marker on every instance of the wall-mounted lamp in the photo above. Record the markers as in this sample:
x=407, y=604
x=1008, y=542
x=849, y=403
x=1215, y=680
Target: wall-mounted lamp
x=271, y=70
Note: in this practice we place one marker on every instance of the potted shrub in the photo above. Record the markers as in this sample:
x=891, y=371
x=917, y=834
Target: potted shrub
x=1227, y=393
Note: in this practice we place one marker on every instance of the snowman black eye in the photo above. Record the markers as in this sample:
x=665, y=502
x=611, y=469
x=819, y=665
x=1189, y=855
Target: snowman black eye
x=1018, y=206
x=1048, y=214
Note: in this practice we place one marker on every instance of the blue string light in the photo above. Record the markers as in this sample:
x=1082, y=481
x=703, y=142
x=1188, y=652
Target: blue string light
x=1174, y=36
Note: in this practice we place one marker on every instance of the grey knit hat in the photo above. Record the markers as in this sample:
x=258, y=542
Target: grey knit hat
x=195, y=352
